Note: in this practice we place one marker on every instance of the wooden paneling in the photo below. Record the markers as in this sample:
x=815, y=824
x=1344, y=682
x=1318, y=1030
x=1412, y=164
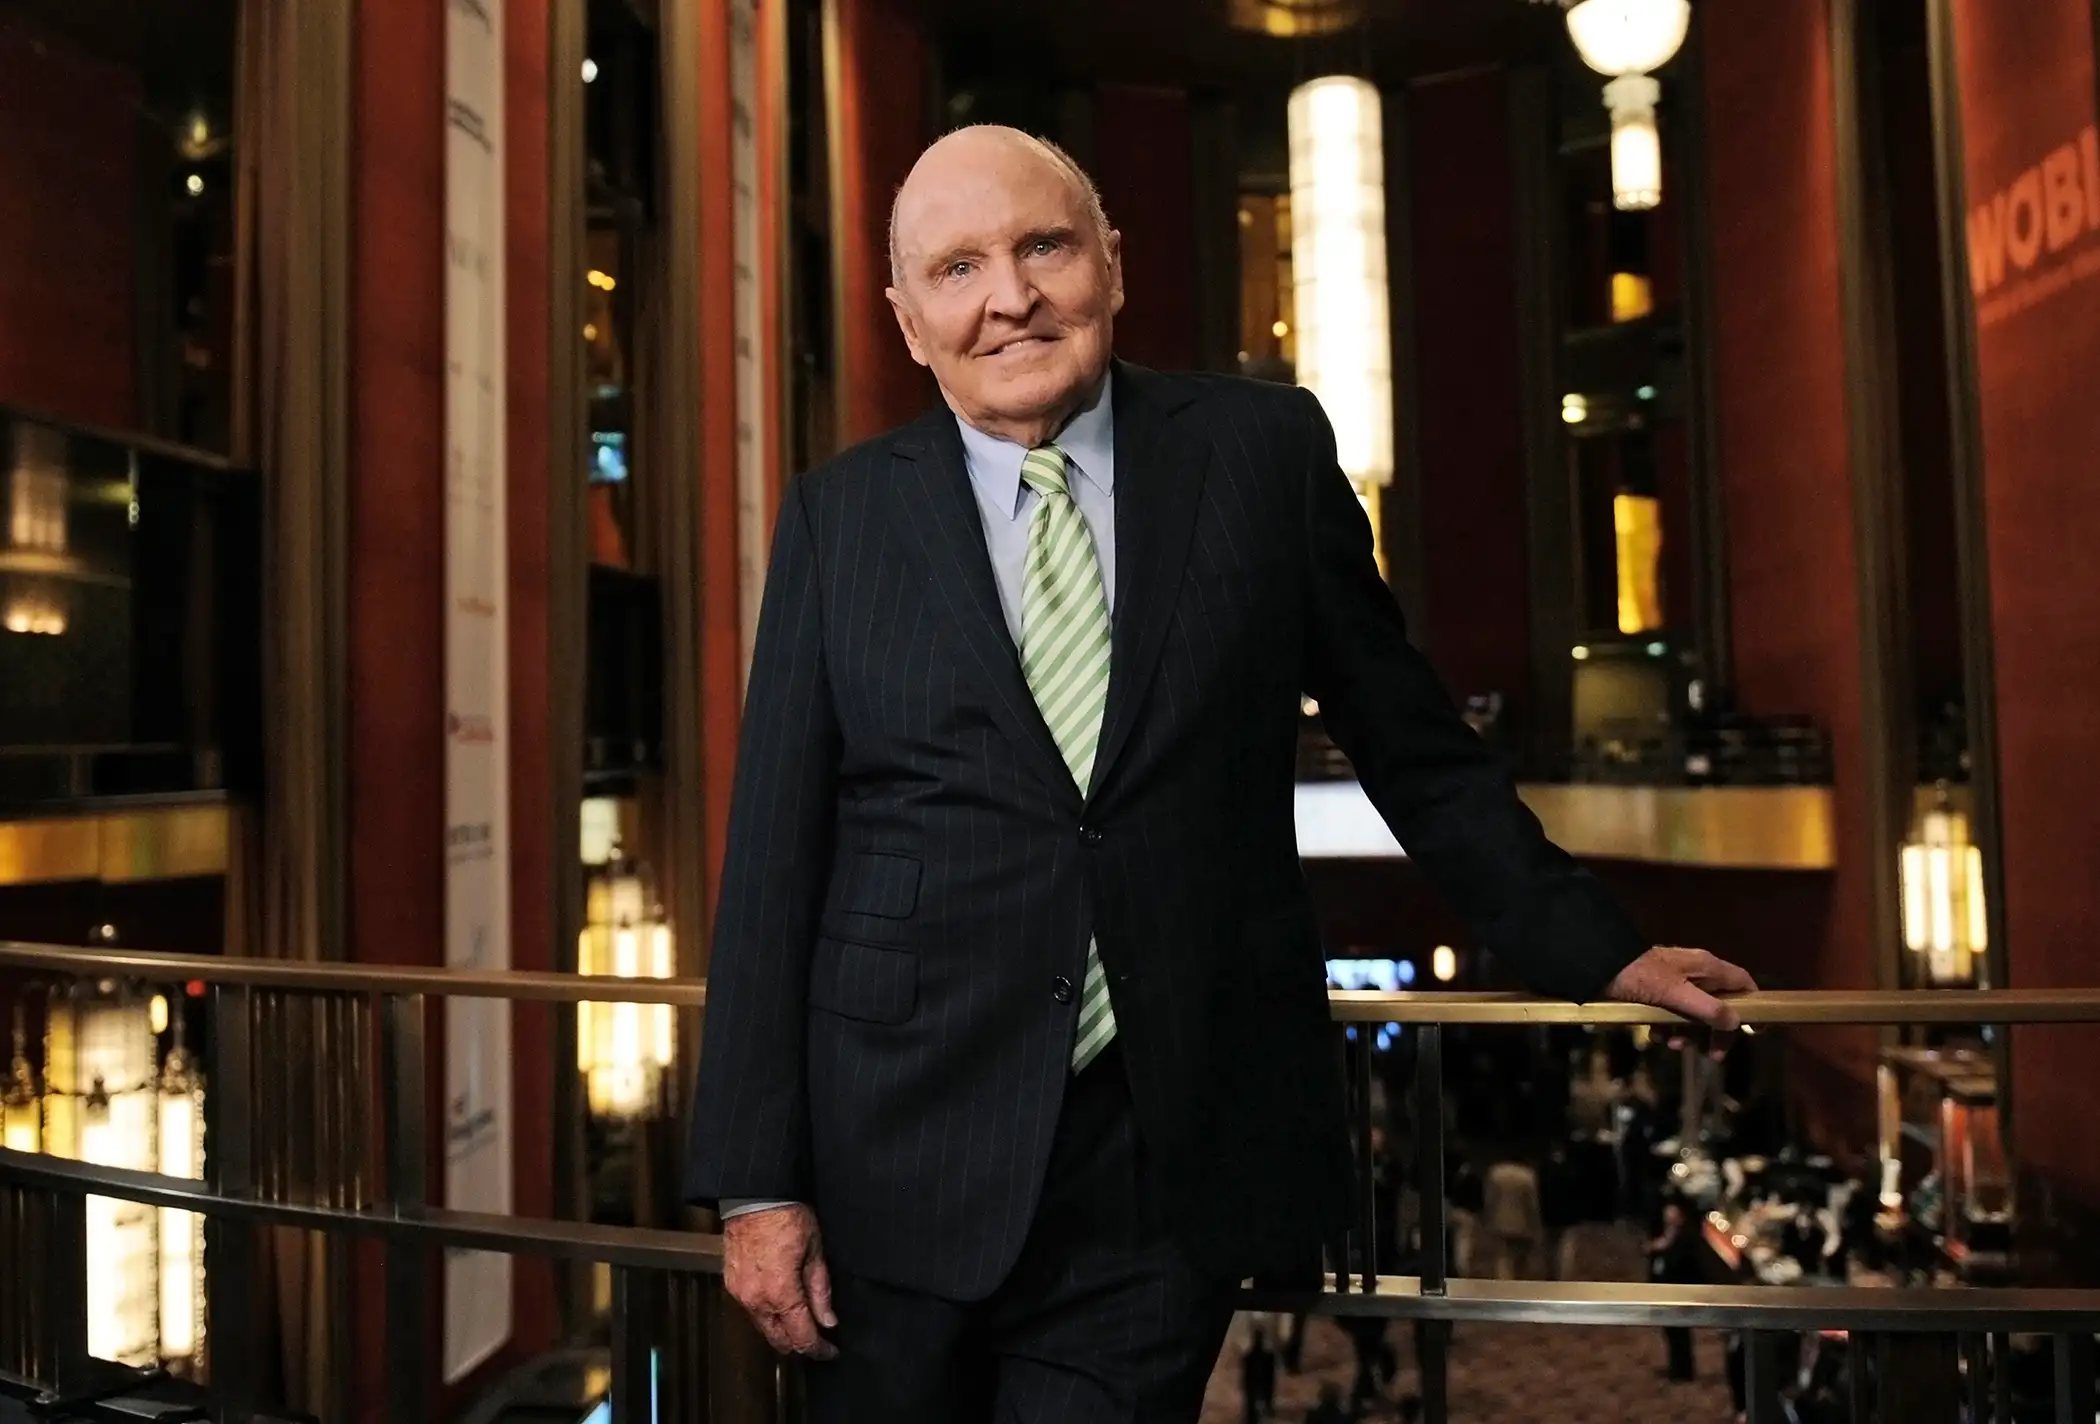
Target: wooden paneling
x=67, y=225
x=2027, y=90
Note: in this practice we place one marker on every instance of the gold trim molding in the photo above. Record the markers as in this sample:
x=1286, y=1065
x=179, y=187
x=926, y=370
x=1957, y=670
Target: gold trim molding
x=117, y=847
x=1720, y=827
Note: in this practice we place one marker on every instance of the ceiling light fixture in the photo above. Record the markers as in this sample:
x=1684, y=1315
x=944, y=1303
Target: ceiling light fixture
x=1628, y=40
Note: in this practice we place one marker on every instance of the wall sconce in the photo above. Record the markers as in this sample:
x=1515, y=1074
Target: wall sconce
x=1628, y=40
x=1338, y=269
x=1943, y=897
x=624, y=1050
x=36, y=496
x=100, y=1106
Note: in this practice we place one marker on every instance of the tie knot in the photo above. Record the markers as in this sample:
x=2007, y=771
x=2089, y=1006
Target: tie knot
x=1043, y=470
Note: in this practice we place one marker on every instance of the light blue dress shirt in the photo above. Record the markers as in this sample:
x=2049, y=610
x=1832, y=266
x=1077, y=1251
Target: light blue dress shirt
x=1089, y=443
x=1007, y=504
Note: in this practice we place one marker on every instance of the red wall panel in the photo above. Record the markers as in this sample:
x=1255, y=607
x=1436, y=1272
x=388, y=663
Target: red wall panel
x=532, y=479
x=396, y=716
x=1475, y=565
x=882, y=127
x=1144, y=168
x=2034, y=193
x=1785, y=462
x=396, y=563
x=67, y=185
x=397, y=494
x=721, y=628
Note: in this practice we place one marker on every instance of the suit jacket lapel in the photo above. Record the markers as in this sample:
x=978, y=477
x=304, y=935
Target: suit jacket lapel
x=937, y=520
x=1160, y=467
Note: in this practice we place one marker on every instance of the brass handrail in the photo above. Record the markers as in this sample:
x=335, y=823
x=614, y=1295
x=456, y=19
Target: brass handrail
x=641, y=1248
x=1772, y=1008
x=2004, y=1309
x=313, y=976
x=250, y=999
x=1769, y=1008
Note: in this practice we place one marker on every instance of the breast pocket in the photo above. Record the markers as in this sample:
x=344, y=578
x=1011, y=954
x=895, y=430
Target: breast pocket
x=1239, y=589
x=872, y=983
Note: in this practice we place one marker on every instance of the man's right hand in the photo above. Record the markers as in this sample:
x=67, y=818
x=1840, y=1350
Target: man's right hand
x=773, y=1264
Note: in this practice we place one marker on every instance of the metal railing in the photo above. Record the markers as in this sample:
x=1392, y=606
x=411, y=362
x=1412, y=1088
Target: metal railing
x=341, y=1151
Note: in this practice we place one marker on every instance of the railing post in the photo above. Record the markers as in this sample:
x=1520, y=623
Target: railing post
x=636, y=1307
x=1435, y=1216
x=67, y=1283
x=411, y=1376
x=2001, y=1377
x=1976, y=1376
x=2074, y=1378
x=1358, y=1053
x=1761, y=1378
x=746, y=1382
x=233, y=1283
x=688, y=1347
x=1861, y=1361
x=1920, y=1379
x=1429, y=1155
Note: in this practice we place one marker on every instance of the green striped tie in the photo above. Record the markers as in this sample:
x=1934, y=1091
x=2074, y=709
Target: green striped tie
x=1064, y=652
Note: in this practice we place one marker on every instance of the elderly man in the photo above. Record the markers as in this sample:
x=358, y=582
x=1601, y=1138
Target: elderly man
x=1017, y=1055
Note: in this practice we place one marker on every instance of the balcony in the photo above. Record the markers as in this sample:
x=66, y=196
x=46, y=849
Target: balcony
x=318, y=1122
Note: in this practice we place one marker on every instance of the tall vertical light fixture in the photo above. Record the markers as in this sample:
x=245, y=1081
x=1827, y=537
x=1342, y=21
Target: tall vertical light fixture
x=1338, y=270
x=1628, y=40
x=100, y=1106
x=181, y=1102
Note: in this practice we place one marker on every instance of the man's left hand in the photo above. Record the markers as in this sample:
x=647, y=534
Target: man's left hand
x=1689, y=983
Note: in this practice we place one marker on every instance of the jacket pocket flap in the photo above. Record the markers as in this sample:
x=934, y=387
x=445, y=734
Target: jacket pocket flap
x=879, y=884
x=864, y=981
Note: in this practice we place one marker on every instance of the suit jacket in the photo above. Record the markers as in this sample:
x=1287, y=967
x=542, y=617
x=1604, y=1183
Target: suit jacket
x=912, y=874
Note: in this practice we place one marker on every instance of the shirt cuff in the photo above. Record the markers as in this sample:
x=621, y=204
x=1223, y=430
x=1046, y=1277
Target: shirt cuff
x=741, y=1206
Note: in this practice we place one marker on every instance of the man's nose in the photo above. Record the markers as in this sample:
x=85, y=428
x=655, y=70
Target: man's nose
x=1012, y=294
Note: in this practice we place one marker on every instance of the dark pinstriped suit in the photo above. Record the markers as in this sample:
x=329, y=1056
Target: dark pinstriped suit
x=912, y=875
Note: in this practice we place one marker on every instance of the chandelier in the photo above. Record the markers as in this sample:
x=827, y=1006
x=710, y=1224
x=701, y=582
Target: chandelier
x=1628, y=40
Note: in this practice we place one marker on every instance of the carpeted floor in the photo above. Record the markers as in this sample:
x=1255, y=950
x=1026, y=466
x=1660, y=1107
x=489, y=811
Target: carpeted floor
x=1518, y=1374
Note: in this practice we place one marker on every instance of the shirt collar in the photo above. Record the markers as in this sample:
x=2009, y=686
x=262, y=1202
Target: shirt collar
x=1088, y=441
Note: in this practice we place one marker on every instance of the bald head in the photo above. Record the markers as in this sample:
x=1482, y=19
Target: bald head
x=966, y=155
x=1006, y=279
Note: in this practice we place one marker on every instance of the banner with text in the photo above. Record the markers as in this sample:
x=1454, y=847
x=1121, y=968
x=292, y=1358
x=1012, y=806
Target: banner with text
x=477, y=676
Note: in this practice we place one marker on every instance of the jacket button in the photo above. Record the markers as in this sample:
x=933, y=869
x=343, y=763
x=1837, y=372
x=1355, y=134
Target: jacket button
x=1090, y=835
x=1061, y=989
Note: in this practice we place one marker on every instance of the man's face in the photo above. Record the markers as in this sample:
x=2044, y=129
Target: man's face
x=1007, y=290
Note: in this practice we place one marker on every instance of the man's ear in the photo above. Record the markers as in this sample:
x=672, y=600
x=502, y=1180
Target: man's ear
x=1115, y=271
x=907, y=323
